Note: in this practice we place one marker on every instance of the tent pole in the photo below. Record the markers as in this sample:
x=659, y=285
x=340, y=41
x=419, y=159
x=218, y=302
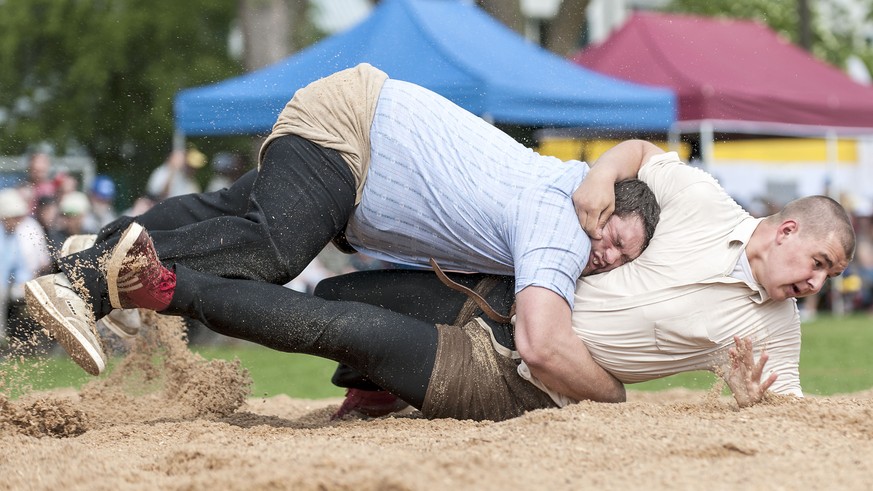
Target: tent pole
x=706, y=144
x=833, y=156
x=178, y=140
x=838, y=302
x=673, y=136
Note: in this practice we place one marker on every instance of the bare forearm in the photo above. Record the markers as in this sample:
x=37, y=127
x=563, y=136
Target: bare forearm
x=573, y=372
x=594, y=199
x=555, y=355
x=624, y=160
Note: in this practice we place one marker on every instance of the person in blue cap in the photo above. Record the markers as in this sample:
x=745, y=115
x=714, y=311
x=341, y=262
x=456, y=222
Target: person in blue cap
x=102, y=195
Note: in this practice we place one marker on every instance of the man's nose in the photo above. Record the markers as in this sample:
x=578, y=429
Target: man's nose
x=610, y=256
x=817, y=280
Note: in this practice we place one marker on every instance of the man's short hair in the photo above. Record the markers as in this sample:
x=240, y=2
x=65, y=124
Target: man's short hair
x=821, y=217
x=634, y=198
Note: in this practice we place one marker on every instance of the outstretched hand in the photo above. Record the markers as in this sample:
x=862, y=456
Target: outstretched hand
x=745, y=377
x=594, y=202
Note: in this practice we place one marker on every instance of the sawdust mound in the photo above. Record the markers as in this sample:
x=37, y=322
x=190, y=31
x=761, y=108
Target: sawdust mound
x=158, y=379
x=42, y=417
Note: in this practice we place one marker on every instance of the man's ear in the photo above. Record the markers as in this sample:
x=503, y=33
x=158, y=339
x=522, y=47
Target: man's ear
x=785, y=229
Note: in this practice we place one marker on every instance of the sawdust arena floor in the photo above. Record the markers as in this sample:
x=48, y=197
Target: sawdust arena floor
x=166, y=419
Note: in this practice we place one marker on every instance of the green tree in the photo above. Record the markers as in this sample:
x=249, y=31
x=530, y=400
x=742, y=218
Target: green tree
x=833, y=41
x=561, y=35
x=103, y=73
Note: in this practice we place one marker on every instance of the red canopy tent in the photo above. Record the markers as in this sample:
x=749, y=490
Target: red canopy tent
x=735, y=77
x=731, y=70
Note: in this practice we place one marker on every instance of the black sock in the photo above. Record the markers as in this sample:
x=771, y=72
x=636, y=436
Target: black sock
x=85, y=271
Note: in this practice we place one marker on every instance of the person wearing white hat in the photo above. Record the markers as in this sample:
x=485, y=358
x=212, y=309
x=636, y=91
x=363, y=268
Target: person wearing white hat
x=175, y=176
x=22, y=253
x=74, y=207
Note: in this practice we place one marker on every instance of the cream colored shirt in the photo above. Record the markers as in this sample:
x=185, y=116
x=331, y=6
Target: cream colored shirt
x=676, y=308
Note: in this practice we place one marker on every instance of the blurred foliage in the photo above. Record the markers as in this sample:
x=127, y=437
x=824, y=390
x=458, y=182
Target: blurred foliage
x=102, y=74
x=834, y=31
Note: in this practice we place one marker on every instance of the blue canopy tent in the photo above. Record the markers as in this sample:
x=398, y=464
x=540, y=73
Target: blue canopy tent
x=448, y=46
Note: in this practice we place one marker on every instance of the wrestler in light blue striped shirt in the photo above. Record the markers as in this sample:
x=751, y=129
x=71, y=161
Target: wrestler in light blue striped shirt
x=444, y=183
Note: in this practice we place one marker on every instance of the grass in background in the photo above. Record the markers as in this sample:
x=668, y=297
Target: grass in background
x=275, y=372
x=22, y=375
x=835, y=358
x=836, y=355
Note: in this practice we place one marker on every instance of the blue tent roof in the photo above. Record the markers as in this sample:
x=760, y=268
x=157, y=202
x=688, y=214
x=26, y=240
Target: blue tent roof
x=450, y=47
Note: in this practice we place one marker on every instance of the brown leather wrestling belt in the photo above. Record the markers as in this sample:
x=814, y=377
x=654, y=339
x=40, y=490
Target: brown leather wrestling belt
x=480, y=301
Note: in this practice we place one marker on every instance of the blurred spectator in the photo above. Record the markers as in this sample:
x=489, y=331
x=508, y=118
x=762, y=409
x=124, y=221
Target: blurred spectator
x=22, y=254
x=102, y=196
x=227, y=168
x=65, y=183
x=330, y=262
x=808, y=306
x=363, y=262
x=39, y=179
x=140, y=206
x=176, y=175
x=307, y=280
x=13, y=266
x=863, y=262
x=48, y=216
x=74, y=207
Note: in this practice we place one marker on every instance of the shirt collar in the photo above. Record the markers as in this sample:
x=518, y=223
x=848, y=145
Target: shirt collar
x=761, y=295
x=743, y=232
x=740, y=237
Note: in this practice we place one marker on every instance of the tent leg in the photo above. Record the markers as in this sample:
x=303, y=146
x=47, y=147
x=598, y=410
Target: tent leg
x=673, y=137
x=178, y=140
x=838, y=302
x=707, y=145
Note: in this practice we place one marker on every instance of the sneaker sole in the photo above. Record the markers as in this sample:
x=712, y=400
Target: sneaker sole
x=128, y=238
x=72, y=340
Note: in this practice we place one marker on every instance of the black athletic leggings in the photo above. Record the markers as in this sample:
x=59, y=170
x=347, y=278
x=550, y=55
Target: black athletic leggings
x=418, y=294
x=394, y=351
x=267, y=226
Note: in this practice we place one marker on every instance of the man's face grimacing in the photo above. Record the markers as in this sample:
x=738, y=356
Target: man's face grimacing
x=622, y=242
x=800, y=265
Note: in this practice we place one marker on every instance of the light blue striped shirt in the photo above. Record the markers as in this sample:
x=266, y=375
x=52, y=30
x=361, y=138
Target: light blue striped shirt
x=444, y=183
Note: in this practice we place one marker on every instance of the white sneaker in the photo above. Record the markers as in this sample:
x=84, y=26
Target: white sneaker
x=77, y=243
x=52, y=302
x=124, y=323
